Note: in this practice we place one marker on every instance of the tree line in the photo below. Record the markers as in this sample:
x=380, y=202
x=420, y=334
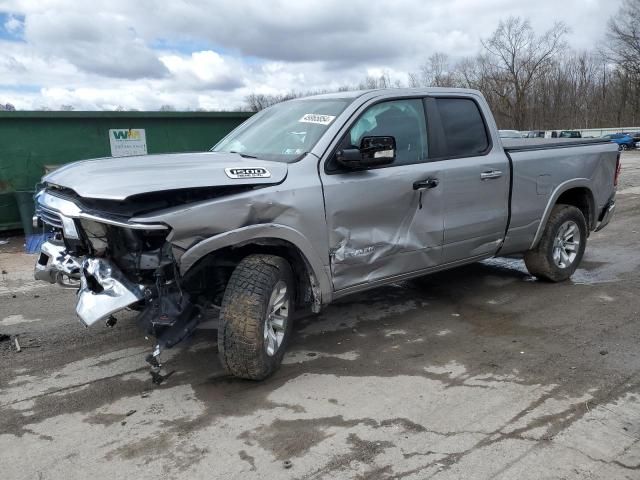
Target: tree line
x=535, y=80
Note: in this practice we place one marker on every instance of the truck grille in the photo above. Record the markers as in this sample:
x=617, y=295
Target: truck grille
x=49, y=216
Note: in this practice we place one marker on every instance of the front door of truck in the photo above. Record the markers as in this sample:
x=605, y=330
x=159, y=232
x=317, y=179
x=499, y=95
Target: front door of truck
x=379, y=224
x=475, y=181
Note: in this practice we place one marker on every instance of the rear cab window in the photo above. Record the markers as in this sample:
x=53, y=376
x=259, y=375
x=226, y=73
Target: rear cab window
x=463, y=130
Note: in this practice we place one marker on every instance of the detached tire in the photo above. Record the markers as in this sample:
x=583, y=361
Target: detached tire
x=256, y=316
x=561, y=247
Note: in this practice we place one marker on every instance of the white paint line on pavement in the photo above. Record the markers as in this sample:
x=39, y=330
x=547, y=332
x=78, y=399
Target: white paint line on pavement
x=17, y=320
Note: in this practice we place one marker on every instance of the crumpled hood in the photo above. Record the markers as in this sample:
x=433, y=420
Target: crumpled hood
x=123, y=177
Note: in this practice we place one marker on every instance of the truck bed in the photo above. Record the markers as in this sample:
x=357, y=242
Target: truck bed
x=518, y=145
x=543, y=168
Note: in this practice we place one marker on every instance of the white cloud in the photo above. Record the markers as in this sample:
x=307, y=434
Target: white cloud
x=204, y=70
x=13, y=24
x=211, y=54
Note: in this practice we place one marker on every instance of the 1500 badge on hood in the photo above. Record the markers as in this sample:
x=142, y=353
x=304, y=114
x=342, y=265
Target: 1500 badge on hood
x=253, y=172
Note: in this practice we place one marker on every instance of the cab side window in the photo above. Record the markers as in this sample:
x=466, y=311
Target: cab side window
x=402, y=119
x=463, y=126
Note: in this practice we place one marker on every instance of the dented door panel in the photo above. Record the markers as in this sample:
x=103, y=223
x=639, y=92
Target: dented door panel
x=377, y=227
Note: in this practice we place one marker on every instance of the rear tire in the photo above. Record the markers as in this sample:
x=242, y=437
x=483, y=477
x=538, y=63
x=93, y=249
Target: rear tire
x=256, y=317
x=560, y=250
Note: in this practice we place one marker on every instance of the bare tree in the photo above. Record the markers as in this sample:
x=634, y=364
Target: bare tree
x=435, y=72
x=7, y=107
x=623, y=37
x=371, y=82
x=259, y=101
x=515, y=57
x=623, y=48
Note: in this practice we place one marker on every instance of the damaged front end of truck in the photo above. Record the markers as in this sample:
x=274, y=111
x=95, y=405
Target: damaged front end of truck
x=115, y=264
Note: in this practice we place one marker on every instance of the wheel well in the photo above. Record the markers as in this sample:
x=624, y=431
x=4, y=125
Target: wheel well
x=582, y=199
x=210, y=275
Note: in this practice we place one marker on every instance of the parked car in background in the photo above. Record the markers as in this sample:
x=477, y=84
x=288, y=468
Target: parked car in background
x=534, y=134
x=509, y=134
x=636, y=137
x=624, y=140
x=570, y=134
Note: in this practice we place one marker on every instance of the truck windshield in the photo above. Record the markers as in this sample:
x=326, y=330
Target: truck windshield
x=284, y=132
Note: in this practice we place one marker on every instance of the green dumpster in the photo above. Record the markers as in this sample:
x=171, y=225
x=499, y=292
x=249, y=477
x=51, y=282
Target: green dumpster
x=26, y=207
x=8, y=212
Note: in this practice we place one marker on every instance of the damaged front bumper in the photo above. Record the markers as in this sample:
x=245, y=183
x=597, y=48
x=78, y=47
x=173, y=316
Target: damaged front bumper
x=104, y=290
x=55, y=265
x=116, y=264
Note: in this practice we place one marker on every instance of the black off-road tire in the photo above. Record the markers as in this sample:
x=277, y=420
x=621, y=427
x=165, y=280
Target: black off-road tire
x=243, y=314
x=539, y=261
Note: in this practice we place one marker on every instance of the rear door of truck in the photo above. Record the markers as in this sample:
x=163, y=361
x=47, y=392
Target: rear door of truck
x=476, y=176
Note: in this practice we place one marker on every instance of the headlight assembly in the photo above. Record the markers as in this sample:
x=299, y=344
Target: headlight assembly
x=69, y=228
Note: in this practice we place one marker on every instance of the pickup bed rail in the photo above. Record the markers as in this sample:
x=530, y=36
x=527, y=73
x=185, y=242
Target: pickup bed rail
x=517, y=145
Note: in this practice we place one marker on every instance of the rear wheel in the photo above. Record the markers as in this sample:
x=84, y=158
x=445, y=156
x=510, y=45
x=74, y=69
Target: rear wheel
x=561, y=247
x=623, y=147
x=255, y=317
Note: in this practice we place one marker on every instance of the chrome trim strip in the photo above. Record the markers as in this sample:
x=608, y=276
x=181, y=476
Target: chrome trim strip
x=71, y=210
x=133, y=226
x=48, y=216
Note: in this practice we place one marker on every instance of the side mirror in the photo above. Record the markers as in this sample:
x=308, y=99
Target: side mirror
x=373, y=152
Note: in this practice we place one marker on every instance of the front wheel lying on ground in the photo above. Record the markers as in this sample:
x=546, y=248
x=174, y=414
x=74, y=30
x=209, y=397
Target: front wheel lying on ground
x=561, y=247
x=256, y=316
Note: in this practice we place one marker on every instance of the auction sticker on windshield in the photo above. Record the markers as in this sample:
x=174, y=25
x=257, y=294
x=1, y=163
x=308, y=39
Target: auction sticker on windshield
x=253, y=172
x=317, y=118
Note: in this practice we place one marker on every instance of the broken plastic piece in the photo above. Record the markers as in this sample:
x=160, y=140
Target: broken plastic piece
x=157, y=378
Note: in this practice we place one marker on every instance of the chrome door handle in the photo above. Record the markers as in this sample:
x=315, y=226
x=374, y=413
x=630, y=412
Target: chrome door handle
x=490, y=174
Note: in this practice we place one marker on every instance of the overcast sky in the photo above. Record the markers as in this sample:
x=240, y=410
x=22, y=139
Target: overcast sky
x=141, y=54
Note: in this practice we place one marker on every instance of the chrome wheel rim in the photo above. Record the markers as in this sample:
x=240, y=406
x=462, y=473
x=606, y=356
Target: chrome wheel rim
x=275, y=324
x=566, y=244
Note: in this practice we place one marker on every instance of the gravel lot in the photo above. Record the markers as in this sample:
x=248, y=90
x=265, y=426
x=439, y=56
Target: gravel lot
x=481, y=372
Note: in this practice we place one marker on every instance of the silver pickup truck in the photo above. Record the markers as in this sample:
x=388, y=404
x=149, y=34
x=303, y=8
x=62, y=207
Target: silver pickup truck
x=309, y=201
